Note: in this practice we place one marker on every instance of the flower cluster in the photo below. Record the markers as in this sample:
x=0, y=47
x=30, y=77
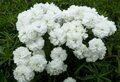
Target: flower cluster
x=28, y=63
x=65, y=27
x=57, y=66
x=72, y=30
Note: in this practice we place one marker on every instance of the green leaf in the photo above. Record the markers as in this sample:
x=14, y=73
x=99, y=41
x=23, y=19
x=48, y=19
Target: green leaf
x=79, y=68
x=118, y=65
x=105, y=74
x=1, y=50
x=3, y=61
x=106, y=79
x=86, y=77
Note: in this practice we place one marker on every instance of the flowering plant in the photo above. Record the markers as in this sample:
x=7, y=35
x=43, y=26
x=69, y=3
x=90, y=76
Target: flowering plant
x=79, y=28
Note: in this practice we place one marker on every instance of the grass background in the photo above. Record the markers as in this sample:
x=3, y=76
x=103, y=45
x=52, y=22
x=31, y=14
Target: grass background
x=107, y=70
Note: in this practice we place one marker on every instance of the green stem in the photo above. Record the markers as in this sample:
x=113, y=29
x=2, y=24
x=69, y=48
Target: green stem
x=54, y=79
x=49, y=79
x=78, y=69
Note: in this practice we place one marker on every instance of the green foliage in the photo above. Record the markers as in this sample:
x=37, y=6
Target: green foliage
x=107, y=70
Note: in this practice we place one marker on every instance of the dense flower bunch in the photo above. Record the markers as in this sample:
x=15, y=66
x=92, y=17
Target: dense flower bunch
x=68, y=27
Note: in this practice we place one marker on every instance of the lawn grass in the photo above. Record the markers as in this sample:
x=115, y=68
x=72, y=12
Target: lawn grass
x=107, y=70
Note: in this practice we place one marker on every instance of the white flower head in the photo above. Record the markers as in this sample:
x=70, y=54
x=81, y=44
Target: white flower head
x=103, y=27
x=79, y=52
x=56, y=67
x=96, y=44
x=37, y=44
x=27, y=35
x=89, y=17
x=57, y=36
x=69, y=79
x=101, y=30
x=23, y=73
x=58, y=53
x=75, y=33
x=25, y=18
x=96, y=50
x=67, y=27
x=37, y=63
x=40, y=27
x=21, y=55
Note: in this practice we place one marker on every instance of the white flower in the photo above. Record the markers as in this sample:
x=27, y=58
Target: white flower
x=53, y=9
x=75, y=27
x=23, y=74
x=89, y=16
x=79, y=53
x=73, y=42
x=40, y=27
x=101, y=30
x=35, y=21
x=46, y=12
x=65, y=27
x=96, y=50
x=37, y=63
x=24, y=18
x=36, y=44
x=21, y=55
x=27, y=35
x=69, y=79
x=57, y=36
x=38, y=10
x=75, y=34
x=103, y=27
x=56, y=67
x=96, y=44
x=89, y=20
x=58, y=53
x=112, y=27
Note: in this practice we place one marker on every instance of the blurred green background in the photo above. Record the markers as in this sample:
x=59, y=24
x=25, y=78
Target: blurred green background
x=107, y=70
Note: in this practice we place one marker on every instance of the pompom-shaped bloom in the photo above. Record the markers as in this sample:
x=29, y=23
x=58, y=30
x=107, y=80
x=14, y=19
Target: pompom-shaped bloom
x=40, y=27
x=23, y=74
x=75, y=34
x=103, y=27
x=73, y=42
x=89, y=16
x=76, y=27
x=37, y=44
x=79, y=52
x=46, y=12
x=36, y=21
x=37, y=63
x=96, y=50
x=57, y=36
x=56, y=67
x=69, y=79
x=58, y=53
x=39, y=12
x=25, y=18
x=21, y=55
x=112, y=27
x=96, y=44
x=27, y=35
